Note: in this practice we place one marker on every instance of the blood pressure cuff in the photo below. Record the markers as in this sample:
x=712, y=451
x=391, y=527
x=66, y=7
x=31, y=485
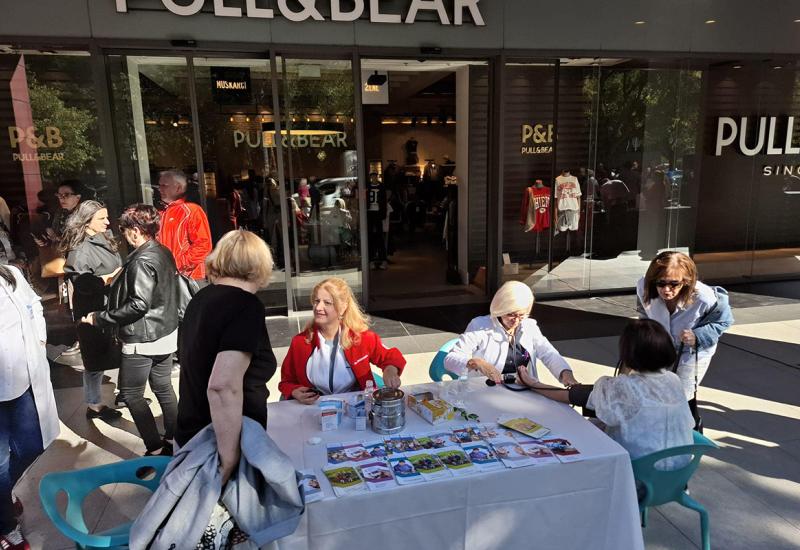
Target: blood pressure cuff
x=579, y=395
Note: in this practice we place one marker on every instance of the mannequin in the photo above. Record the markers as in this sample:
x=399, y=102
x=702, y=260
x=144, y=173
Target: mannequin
x=376, y=214
x=568, y=192
x=535, y=213
x=411, y=151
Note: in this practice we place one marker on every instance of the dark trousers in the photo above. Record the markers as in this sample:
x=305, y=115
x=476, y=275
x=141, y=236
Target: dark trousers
x=134, y=373
x=376, y=242
x=20, y=444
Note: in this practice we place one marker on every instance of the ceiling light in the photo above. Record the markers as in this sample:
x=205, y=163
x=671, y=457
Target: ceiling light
x=309, y=128
x=710, y=21
x=639, y=22
x=737, y=66
x=778, y=67
x=797, y=20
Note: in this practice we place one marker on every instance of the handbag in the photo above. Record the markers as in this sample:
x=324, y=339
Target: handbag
x=101, y=349
x=52, y=262
x=187, y=288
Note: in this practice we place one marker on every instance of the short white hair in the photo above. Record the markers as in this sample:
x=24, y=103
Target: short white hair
x=512, y=297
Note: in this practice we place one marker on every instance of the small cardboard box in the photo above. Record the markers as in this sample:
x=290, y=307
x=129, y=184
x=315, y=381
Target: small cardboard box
x=433, y=410
x=330, y=414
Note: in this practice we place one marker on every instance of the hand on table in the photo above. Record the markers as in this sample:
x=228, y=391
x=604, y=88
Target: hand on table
x=391, y=377
x=485, y=368
x=567, y=378
x=688, y=338
x=304, y=395
x=525, y=377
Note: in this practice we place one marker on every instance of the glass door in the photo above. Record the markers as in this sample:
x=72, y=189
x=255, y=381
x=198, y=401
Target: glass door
x=320, y=172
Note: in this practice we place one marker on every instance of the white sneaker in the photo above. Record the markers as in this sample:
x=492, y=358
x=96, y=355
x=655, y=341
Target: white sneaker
x=383, y=265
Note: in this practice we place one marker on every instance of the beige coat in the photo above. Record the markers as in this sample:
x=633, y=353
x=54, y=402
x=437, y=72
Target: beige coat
x=34, y=330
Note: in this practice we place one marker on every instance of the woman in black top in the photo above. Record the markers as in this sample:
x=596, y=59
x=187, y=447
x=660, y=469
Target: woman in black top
x=92, y=263
x=226, y=358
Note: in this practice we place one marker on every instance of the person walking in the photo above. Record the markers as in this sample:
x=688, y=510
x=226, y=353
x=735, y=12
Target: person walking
x=184, y=226
x=28, y=414
x=143, y=308
x=92, y=256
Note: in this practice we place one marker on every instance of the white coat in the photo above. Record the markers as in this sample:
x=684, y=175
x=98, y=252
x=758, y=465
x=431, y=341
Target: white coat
x=485, y=338
x=34, y=330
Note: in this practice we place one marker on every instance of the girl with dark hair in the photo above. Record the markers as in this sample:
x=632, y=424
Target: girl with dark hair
x=28, y=415
x=143, y=308
x=92, y=257
x=643, y=408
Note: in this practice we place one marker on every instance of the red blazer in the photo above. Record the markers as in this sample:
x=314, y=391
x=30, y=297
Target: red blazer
x=369, y=350
x=185, y=231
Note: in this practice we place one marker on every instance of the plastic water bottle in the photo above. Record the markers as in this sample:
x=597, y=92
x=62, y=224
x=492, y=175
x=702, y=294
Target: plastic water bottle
x=368, y=390
x=460, y=390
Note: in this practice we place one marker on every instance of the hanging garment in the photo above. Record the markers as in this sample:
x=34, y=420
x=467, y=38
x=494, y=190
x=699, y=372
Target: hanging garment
x=568, y=192
x=535, y=213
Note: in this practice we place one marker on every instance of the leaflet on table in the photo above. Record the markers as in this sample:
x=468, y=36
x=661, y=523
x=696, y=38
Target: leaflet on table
x=482, y=456
x=495, y=433
x=402, y=444
x=377, y=475
x=404, y=471
x=455, y=460
x=344, y=480
x=563, y=449
x=524, y=425
x=540, y=453
x=512, y=454
x=436, y=440
x=353, y=451
x=376, y=449
x=311, y=486
x=466, y=434
x=428, y=464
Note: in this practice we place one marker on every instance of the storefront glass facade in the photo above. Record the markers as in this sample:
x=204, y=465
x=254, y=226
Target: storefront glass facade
x=633, y=155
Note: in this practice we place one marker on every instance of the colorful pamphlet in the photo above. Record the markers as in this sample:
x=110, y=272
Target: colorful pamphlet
x=495, y=433
x=436, y=440
x=482, y=456
x=344, y=480
x=404, y=471
x=512, y=455
x=428, y=464
x=354, y=451
x=466, y=434
x=402, y=444
x=525, y=426
x=563, y=449
x=311, y=487
x=456, y=461
x=540, y=453
x=377, y=475
x=377, y=449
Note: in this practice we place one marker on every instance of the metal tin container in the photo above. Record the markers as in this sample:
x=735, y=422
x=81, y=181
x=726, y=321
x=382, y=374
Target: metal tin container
x=388, y=414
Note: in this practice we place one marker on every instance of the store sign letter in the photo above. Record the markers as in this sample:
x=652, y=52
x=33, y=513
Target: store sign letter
x=537, y=139
x=759, y=136
x=302, y=10
x=51, y=139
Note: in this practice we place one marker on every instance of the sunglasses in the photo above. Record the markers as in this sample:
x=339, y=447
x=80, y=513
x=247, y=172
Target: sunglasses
x=671, y=284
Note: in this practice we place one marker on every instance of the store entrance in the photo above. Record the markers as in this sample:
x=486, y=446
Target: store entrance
x=417, y=140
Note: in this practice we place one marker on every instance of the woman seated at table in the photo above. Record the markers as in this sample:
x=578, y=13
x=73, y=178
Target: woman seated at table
x=644, y=407
x=499, y=343
x=334, y=351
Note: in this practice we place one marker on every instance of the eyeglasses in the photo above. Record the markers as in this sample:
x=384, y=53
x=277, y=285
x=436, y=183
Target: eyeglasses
x=671, y=284
x=64, y=195
x=515, y=315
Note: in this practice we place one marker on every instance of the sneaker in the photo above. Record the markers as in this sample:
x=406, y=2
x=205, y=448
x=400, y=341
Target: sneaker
x=383, y=266
x=14, y=540
x=105, y=413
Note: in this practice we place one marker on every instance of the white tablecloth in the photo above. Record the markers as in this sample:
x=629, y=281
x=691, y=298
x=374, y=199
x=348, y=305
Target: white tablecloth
x=583, y=505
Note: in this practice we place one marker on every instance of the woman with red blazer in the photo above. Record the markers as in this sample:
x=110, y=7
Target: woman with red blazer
x=334, y=352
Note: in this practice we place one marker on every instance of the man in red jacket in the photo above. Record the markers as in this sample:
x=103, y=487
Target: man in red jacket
x=184, y=226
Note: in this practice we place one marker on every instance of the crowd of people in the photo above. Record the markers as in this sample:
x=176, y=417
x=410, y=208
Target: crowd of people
x=133, y=306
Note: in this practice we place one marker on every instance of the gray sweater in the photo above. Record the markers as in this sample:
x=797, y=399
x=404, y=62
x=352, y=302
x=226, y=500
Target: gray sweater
x=263, y=497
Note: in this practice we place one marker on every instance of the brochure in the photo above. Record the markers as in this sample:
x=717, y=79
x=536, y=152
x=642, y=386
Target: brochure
x=428, y=464
x=466, y=434
x=377, y=475
x=495, y=433
x=482, y=456
x=353, y=451
x=436, y=440
x=402, y=444
x=404, y=471
x=344, y=480
x=311, y=486
x=512, y=455
x=563, y=449
x=376, y=449
x=456, y=461
x=540, y=453
x=525, y=426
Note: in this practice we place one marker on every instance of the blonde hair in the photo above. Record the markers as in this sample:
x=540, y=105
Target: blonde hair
x=353, y=321
x=241, y=255
x=658, y=269
x=512, y=297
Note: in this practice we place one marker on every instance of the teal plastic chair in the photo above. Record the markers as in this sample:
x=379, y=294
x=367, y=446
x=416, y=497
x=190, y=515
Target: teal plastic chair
x=437, y=371
x=663, y=486
x=378, y=379
x=77, y=484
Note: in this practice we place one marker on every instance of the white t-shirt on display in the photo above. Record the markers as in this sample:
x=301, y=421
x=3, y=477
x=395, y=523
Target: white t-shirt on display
x=568, y=192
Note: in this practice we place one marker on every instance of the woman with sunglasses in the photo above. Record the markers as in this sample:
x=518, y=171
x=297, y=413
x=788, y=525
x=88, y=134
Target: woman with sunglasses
x=693, y=313
x=499, y=343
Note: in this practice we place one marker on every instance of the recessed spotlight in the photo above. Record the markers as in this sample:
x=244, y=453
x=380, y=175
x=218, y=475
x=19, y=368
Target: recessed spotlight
x=797, y=20
x=737, y=66
x=639, y=22
x=710, y=21
x=777, y=67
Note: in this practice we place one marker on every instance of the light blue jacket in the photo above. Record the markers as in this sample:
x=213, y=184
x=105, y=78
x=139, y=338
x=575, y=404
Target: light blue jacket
x=263, y=497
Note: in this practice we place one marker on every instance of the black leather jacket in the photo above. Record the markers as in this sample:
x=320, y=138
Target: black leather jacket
x=143, y=301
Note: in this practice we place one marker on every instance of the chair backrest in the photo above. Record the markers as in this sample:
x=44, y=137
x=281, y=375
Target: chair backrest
x=664, y=486
x=437, y=371
x=77, y=484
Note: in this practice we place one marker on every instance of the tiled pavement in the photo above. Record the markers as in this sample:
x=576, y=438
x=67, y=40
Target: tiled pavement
x=750, y=400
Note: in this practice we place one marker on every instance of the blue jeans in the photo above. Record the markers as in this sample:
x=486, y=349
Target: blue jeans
x=20, y=444
x=92, y=382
